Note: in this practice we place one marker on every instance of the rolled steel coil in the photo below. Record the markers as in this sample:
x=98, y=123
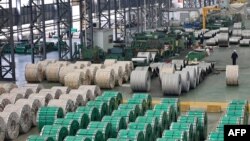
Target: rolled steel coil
x=244, y=42
x=57, y=132
x=23, y=91
x=131, y=134
x=74, y=79
x=146, y=96
x=92, y=74
x=66, y=105
x=94, y=134
x=99, y=66
x=77, y=138
x=130, y=64
x=104, y=127
x=64, y=89
x=76, y=98
x=188, y=127
x=234, y=40
x=8, y=86
x=47, y=116
x=197, y=73
x=44, y=99
x=146, y=55
x=118, y=123
x=34, y=104
x=54, y=92
x=101, y=106
x=175, y=102
x=109, y=62
x=63, y=72
x=85, y=63
x=145, y=127
x=39, y=138
x=24, y=114
x=9, y=125
x=171, y=84
x=140, y=81
x=35, y=87
x=82, y=118
x=232, y=75
x=87, y=95
x=95, y=89
x=105, y=78
x=223, y=39
x=237, y=25
x=175, y=134
x=141, y=102
x=145, y=68
x=2, y=90
x=202, y=75
x=161, y=115
x=194, y=121
x=44, y=65
x=179, y=63
x=111, y=101
x=10, y=98
x=62, y=63
x=224, y=29
x=115, y=94
x=118, y=74
x=33, y=73
x=246, y=34
x=86, y=80
x=193, y=77
x=52, y=72
x=185, y=80
x=125, y=69
x=211, y=42
x=92, y=112
x=169, y=109
x=237, y=33
x=167, y=69
x=71, y=124
x=208, y=67
x=135, y=107
x=76, y=65
x=126, y=113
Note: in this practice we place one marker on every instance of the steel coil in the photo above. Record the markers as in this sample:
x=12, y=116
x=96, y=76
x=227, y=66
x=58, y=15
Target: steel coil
x=99, y=66
x=167, y=69
x=126, y=113
x=93, y=88
x=146, y=55
x=194, y=121
x=62, y=63
x=92, y=112
x=87, y=95
x=188, y=127
x=216, y=136
x=115, y=94
x=63, y=72
x=70, y=124
x=35, y=87
x=140, y=81
x=24, y=114
x=131, y=134
x=66, y=105
x=52, y=72
x=76, y=65
x=197, y=73
x=244, y=42
x=111, y=101
x=54, y=92
x=237, y=25
x=193, y=77
x=175, y=102
x=134, y=107
x=179, y=63
x=145, y=96
x=33, y=73
x=82, y=119
x=8, y=86
x=93, y=134
x=246, y=34
x=74, y=79
x=232, y=75
x=2, y=90
x=11, y=125
x=224, y=29
x=161, y=115
x=2, y=129
x=105, y=78
x=44, y=99
x=39, y=138
x=64, y=89
x=44, y=65
x=77, y=138
x=92, y=74
x=237, y=32
x=145, y=127
x=47, y=116
x=118, y=74
x=9, y=98
x=175, y=134
x=171, y=84
x=76, y=98
x=34, y=104
x=109, y=62
x=104, y=127
x=85, y=63
x=58, y=132
x=211, y=42
x=26, y=92
x=169, y=109
x=141, y=102
x=101, y=106
x=125, y=69
x=185, y=80
x=118, y=123
x=86, y=80
x=223, y=39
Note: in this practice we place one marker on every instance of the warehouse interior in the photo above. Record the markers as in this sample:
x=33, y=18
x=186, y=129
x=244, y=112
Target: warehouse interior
x=123, y=70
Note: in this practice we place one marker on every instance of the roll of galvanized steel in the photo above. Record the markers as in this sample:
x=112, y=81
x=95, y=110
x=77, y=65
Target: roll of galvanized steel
x=175, y=102
x=167, y=69
x=127, y=114
x=130, y=64
x=232, y=75
x=244, y=42
x=104, y=127
x=101, y=106
x=118, y=74
x=105, y=78
x=141, y=102
x=9, y=125
x=82, y=118
x=35, y=87
x=171, y=84
x=92, y=112
x=86, y=80
x=85, y=63
x=44, y=99
x=39, y=138
x=169, y=109
x=194, y=121
x=95, y=89
x=126, y=70
x=24, y=114
x=47, y=116
x=146, y=128
x=52, y=72
x=135, y=107
x=99, y=66
x=8, y=86
x=71, y=124
x=76, y=66
x=117, y=95
x=211, y=42
x=216, y=136
x=109, y=62
x=76, y=98
x=86, y=94
x=223, y=39
x=131, y=134
x=179, y=64
x=161, y=115
x=63, y=72
x=185, y=80
x=44, y=65
x=33, y=73
x=24, y=91
x=94, y=134
x=237, y=32
x=118, y=123
x=193, y=76
x=175, y=134
x=66, y=105
x=146, y=55
x=188, y=127
x=246, y=34
x=63, y=63
x=197, y=73
x=64, y=89
x=92, y=74
x=140, y=81
x=34, y=104
x=10, y=98
x=74, y=79
x=54, y=92
x=58, y=132
x=77, y=138
x=111, y=101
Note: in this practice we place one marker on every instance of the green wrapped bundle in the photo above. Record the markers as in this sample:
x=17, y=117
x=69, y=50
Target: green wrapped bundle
x=93, y=134
x=131, y=134
x=145, y=96
x=169, y=109
x=230, y=120
x=114, y=139
x=47, y=116
x=127, y=114
x=146, y=128
x=115, y=94
x=195, y=122
x=175, y=102
x=70, y=124
x=239, y=109
x=135, y=107
x=162, y=139
x=77, y=138
x=216, y=136
x=141, y=102
x=118, y=123
x=111, y=101
x=57, y=132
x=101, y=106
x=240, y=114
x=104, y=127
x=39, y=138
x=92, y=112
x=161, y=115
x=188, y=127
x=82, y=118
x=175, y=134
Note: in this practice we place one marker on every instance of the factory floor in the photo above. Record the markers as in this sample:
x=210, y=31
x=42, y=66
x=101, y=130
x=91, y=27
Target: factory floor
x=212, y=89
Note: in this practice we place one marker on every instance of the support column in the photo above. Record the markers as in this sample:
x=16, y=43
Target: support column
x=104, y=17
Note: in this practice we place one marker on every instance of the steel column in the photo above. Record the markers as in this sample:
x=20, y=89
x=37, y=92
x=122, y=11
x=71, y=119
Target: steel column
x=120, y=20
x=104, y=17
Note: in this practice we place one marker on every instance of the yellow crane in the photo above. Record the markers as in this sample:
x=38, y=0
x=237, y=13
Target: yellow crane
x=205, y=11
